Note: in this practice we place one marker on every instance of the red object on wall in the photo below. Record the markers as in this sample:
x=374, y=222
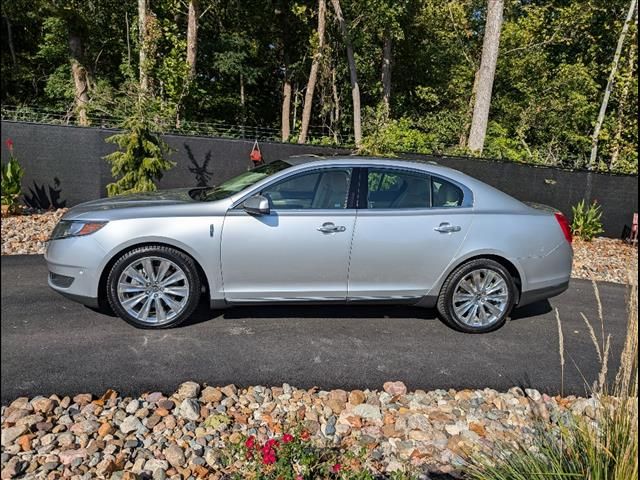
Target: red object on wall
x=256, y=154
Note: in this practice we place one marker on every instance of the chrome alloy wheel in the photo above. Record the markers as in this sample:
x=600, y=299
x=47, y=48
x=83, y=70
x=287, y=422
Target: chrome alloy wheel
x=153, y=290
x=480, y=298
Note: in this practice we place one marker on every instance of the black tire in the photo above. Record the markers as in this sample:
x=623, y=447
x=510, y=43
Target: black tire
x=445, y=304
x=179, y=259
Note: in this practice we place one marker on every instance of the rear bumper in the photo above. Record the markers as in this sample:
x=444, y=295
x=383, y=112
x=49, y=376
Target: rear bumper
x=532, y=296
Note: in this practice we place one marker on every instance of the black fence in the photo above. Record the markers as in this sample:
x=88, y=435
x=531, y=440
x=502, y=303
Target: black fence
x=64, y=166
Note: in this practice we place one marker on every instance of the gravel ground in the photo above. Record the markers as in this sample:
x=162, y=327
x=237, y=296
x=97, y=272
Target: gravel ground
x=603, y=259
x=182, y=436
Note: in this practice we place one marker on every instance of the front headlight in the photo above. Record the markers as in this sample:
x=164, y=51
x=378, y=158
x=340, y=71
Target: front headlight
x=75, y=228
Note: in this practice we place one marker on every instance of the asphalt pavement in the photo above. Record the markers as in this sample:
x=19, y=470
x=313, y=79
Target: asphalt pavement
x=53, y=345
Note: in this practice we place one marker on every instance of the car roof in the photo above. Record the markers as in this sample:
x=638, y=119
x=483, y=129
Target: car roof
x=430, y=166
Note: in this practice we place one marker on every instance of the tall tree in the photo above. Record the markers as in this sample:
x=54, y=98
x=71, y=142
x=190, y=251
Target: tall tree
x=78, y=71
x=609, y=87
x=313, y=74
x=143, y=24
x=286, y=110
x=486, y=75
x=386, y=72
x=192, y=36
x=353, y=74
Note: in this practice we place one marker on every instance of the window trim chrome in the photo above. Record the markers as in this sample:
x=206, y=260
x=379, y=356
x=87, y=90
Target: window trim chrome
x=468, y=199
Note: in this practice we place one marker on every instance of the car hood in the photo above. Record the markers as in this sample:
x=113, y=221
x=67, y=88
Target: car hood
x=145, y=199
x=147, y=204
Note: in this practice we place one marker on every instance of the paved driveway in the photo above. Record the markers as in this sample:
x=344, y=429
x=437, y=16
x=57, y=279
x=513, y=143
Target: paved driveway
x=52, y=345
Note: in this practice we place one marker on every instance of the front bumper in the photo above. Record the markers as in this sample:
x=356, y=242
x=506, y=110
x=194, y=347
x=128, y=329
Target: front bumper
x=74, y=268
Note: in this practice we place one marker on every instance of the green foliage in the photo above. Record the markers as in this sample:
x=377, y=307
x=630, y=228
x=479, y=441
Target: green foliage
x=553, y=65
x=11, y=184
x=586, y=223
x=576, y=450
x=140, y=161
x=295, y=456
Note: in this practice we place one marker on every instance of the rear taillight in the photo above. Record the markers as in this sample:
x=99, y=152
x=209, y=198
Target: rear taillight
x=564, y=225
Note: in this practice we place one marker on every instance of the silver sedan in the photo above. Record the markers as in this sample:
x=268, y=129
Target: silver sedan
x=310, y=230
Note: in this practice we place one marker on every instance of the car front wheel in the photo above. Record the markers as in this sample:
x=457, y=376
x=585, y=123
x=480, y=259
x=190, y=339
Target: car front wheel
x=477, y=297
x=154, y=287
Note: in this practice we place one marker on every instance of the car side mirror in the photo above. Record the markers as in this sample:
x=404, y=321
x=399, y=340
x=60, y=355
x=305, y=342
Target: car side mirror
x=256, y=205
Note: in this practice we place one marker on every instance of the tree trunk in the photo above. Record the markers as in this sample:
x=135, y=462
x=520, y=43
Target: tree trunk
x=80, y=78
x=336, y=105
x=313, y=74
x=10, y=40
x=622, y=104
x=486, y=75
x=386, y=74
x=465, y=129
x=296, y=103
x=126, y=22
x=192, y=37
x=143, y=10
x=243, y=110
x=286, y=110
x=355, y=88
x=609, y=87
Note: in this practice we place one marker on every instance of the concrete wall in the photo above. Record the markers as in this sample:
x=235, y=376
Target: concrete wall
x=64, y=166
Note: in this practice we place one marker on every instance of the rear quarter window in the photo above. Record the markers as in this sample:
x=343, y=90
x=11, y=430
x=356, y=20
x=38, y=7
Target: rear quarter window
x=445, y=193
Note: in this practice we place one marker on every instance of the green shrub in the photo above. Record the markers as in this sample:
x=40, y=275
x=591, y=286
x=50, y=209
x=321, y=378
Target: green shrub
x=11, y=184
x=586, y=222
x=140, y=161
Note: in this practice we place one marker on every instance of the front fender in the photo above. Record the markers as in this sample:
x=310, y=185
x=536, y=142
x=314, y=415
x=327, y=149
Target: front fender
x=198, y=237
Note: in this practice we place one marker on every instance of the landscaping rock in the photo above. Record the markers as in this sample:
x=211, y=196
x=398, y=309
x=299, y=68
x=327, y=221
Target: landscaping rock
x=151, y=437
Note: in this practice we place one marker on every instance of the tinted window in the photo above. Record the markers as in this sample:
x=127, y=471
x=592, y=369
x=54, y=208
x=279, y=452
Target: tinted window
x=445, y=194
x=397, y=189
x=325, y=189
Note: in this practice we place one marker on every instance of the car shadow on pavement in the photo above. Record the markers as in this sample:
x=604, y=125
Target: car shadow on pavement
x=204, y=314
x=540, y=307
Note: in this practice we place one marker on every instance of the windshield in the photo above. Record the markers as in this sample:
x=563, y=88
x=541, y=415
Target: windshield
x=239, y=183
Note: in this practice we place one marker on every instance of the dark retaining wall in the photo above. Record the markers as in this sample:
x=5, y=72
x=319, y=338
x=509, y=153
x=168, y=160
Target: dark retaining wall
x=64, y=166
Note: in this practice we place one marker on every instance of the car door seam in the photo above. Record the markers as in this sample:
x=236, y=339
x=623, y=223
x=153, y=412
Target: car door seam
x=353, y=234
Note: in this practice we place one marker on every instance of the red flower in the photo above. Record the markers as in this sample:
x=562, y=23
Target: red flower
x=9, y=144
x=286, y=438
x=305, y=435
x=250, y=443
x=336, y=468
x=268, y=451
x=271, y=444
x=268, y=457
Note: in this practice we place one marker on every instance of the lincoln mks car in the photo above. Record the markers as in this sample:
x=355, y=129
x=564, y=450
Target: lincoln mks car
x=313, y=230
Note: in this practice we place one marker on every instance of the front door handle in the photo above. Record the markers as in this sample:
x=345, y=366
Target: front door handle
x=446, y=227
x=329, y=227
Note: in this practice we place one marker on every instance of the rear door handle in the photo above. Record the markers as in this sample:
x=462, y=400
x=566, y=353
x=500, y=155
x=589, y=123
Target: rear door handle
x=329, y=227
x=446, y=227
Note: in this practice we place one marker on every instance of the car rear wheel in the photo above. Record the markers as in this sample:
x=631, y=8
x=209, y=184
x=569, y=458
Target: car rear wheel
x=477, y=297
x=154, y=287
